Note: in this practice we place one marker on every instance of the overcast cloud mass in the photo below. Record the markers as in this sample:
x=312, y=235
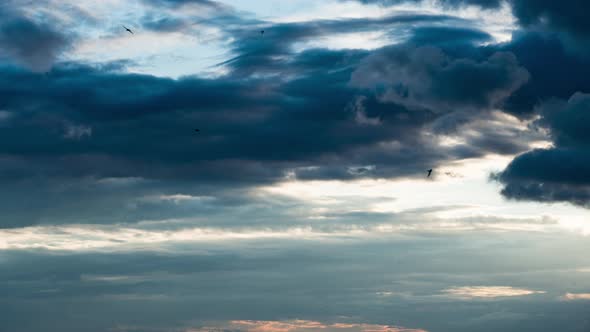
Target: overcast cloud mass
x=302, y=204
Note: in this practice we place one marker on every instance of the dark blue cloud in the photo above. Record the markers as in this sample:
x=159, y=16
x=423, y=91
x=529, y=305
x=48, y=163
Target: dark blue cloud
x=276, y=112
x=36, y=44
x=272, y=53
x=558, y=174
x=448, y=36
x=565, y=15
x=558, y=73
x=426, y=77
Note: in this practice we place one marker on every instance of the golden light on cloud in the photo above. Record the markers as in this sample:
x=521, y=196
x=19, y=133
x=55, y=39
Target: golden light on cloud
x=488, y=292
x=576, y=297
x=300, y=326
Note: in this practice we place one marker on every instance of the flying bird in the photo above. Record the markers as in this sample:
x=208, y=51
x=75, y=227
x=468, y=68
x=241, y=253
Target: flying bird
x=262, y=32
x=197, y=130
x=429, y=172
x=128, y=30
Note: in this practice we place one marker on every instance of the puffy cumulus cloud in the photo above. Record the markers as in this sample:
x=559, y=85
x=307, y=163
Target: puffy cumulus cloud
x=426, y=78
x=560, y=173
x=488, y=292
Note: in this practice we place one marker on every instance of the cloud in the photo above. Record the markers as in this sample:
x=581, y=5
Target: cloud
x=323, y=281
x=77, y=132
x=427, y=78
x=576, y=297
x=180, y=3
x=191, y=220
x=448, y=36
x=255, y=129
x=273, y=54
x=558, y=74
x=543, y=174
x=489, y=4
x=36, y=45
x=300, y=326
x=488, y=292
x=565, y=16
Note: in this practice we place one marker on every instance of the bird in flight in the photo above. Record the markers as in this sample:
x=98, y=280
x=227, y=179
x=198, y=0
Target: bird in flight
x=197, y=130
x=128, y=30
x=429, y=172
x=262, y=32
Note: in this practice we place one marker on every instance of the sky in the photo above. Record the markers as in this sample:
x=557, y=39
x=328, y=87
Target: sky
x=303, y=203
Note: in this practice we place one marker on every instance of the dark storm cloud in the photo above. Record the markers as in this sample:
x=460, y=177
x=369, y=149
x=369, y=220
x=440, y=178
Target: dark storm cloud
x=252, y=132
x=557, y=74
x=427, y=78
x=25, y=41
x=567, y=120
x=511, y=76
x=569, y=15
x=560, y=173
x=557, y=174
x=548, y=47
x=276, y=113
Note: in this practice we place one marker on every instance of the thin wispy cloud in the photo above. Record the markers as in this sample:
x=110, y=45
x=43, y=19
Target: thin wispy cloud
x=576, y=297
x=488, y=292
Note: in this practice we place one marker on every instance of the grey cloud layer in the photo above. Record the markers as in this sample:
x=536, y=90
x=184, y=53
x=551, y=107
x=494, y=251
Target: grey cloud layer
x=191, y=285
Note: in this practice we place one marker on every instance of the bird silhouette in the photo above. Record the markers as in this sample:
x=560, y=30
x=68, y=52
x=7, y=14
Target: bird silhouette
x=262, y=32
x=197, y=130
x=128, y=30
x=429, y=172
